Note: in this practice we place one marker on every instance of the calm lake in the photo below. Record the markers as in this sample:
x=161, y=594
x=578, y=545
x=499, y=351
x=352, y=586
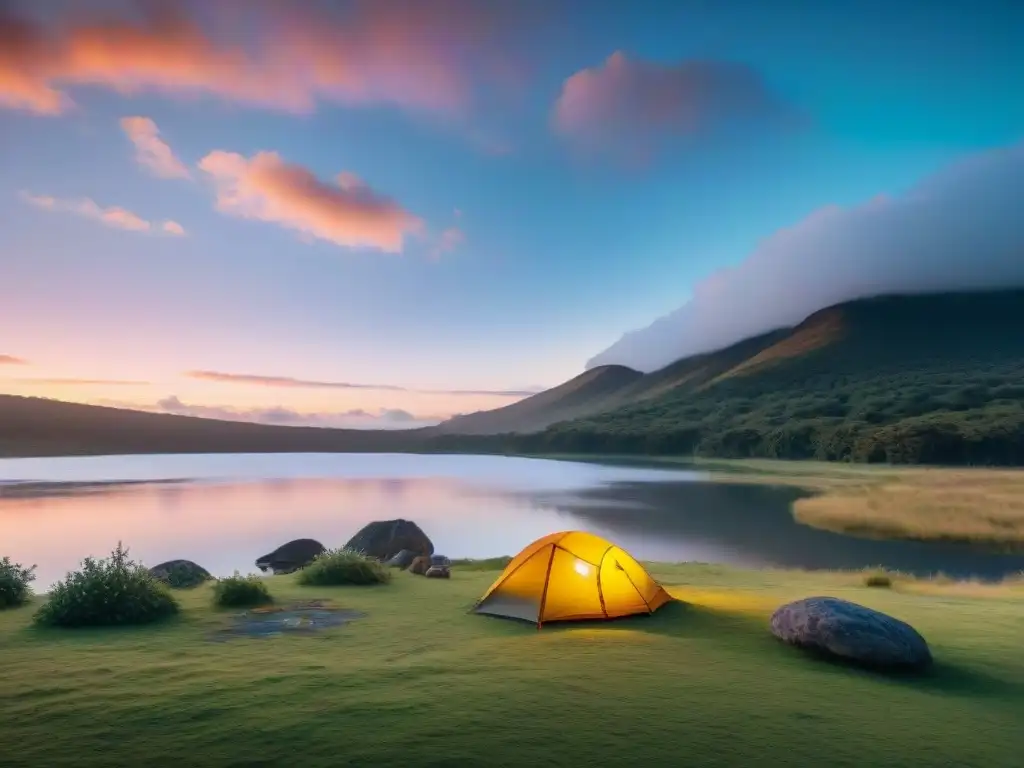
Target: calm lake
x=223, y=511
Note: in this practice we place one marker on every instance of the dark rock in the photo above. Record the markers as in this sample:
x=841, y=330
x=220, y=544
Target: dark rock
x=420, y=565
x=440, y=560
x=438, y=572
x=402, y=560
x=383, y=539
x=852, y=632
x=180, y=574
x=291, y=557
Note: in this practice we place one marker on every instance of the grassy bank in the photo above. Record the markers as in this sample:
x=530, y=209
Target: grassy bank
x=420, y=681
x=984, y=506
x=927, y=503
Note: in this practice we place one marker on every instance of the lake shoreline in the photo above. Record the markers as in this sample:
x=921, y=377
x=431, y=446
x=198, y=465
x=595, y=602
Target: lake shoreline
x=979, y=506
x=739, y=513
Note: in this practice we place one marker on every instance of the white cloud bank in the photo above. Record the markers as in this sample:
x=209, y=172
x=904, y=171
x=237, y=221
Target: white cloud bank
x=961, y=228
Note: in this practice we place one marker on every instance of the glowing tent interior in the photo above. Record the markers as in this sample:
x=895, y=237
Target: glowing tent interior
x=572, y=575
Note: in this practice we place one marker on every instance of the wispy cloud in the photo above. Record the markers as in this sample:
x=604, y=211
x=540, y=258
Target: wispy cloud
x=152, y=152
x=112, y=216
x=289, y=382
x=12, y=360
x=426, y=55
x=357, y=418
x=630, y=108
x=448, y=241
x=283, y=381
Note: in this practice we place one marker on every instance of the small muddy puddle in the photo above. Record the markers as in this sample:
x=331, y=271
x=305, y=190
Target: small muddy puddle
x=295, y=618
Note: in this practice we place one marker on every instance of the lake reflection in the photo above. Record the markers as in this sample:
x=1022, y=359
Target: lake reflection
x=469, y=506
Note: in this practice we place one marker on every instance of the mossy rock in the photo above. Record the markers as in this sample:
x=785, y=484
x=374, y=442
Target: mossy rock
x=180, y=574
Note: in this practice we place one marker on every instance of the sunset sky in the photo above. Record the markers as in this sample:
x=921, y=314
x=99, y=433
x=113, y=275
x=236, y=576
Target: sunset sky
x=380, y=213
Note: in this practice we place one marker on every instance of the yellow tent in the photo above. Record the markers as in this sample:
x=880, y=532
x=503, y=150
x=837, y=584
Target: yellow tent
x=572, y=575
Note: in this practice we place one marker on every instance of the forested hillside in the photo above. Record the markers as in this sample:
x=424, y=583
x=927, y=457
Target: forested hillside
x=902, y=379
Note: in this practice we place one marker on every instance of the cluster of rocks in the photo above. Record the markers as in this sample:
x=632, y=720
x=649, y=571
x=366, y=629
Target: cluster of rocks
x=397, y=543
x=845, y=631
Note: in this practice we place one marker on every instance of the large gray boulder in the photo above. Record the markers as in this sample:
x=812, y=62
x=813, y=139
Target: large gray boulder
x=851, y=632
x=291, y=557
x=180, y=574
x=383, y=539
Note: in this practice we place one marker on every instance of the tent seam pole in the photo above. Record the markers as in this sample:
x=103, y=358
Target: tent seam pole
x=547, y=582
x=600, y=591
x=641, y=594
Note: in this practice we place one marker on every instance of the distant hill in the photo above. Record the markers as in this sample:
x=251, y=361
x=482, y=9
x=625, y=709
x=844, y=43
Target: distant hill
x=923, y=378
x=583, y=395
x=32, y=426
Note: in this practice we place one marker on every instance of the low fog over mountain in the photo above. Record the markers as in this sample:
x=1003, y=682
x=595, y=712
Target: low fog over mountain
x=962, y=227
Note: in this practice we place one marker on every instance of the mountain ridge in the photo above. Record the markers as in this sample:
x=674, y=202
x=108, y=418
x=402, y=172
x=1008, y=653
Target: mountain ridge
x=903, y=378
x=898, y=377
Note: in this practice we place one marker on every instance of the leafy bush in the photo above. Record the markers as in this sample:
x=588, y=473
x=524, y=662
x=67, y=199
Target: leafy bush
x=878, y=580
x=338, y=567
x=240, y=591
x=107, y=592
x=15, y=581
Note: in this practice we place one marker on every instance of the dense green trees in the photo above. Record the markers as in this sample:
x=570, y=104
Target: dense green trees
x=946, y=414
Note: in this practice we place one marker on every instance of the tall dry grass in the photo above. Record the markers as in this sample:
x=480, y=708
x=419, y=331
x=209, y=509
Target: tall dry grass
x=973, y=505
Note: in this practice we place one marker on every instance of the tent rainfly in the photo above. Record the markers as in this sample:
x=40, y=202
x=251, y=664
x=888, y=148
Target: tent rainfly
x=572, y=575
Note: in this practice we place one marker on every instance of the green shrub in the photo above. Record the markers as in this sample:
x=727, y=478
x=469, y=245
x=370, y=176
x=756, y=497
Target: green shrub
x=338, y=567
x=15, y=581
x=107, y=592
x=878, y=580
x=240, y=591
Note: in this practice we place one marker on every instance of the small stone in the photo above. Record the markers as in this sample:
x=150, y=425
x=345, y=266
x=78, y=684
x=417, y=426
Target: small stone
x=402, y=560
x=420, y=565
x=292, y=556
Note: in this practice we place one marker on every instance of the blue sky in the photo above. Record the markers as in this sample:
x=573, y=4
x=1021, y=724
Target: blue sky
x=569, y=223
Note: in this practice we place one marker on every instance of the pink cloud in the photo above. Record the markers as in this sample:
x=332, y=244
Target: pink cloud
x=418, y=54
x=289, y=382
x=347, y=213
x=12, y=360
x=449, y=240
x=630, y=106
x=151, y=151
x=112, y=216
x=356, y=418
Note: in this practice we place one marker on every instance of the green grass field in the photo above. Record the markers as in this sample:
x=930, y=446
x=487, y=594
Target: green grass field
x=419, y=681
